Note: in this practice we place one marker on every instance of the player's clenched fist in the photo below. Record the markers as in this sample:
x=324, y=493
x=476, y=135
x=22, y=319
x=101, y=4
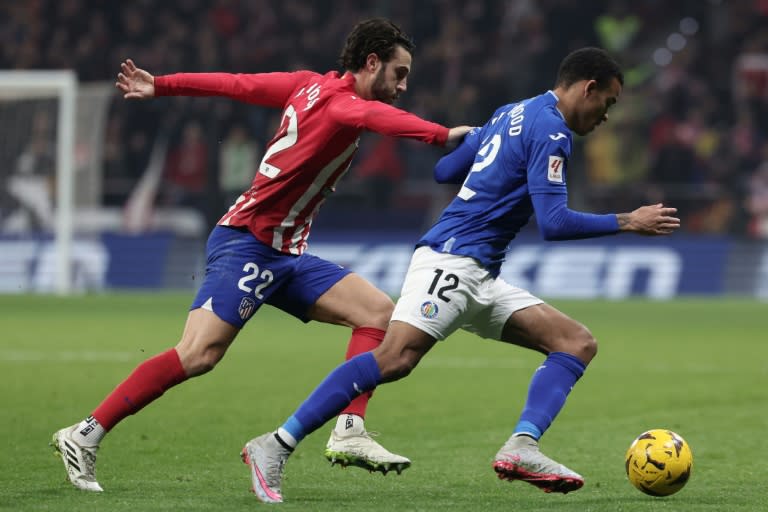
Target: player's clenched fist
x=655, y=219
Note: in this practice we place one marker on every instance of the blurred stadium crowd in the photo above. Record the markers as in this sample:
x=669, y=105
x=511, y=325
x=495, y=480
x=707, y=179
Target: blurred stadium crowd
x=691, y=129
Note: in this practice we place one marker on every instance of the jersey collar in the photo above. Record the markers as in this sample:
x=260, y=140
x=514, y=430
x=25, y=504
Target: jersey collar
x=552, y=93
x=349, y=78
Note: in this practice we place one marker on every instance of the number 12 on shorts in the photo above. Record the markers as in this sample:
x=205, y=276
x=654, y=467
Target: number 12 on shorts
x=446, y=283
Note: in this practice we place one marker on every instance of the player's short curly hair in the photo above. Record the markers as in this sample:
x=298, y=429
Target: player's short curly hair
x=377, y=35
x=588, y=64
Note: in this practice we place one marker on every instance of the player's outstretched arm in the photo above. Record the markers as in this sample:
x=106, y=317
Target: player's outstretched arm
x=454, y=167
x=456, y=135
x=135, y=83
x=649, y=220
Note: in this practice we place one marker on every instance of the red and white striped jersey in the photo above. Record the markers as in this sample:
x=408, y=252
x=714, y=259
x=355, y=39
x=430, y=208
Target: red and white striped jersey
x=318, y=136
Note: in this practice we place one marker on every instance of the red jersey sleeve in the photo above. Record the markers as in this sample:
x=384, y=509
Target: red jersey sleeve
x=387, y=120
x=265, y=89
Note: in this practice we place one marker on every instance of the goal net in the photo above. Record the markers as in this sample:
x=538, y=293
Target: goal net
x=51, y=138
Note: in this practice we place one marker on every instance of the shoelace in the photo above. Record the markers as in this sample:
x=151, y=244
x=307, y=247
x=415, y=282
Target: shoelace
x=274, y=470
x=89, y=456
x=370, y=435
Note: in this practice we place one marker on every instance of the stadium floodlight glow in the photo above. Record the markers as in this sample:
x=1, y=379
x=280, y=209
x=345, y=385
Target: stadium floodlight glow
x=689, y=26
x=676, y=41
x=662, y=57
x=60, y=84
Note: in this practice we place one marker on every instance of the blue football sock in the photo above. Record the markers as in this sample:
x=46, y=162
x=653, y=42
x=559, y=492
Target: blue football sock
x=548, y=390
x=340, y=387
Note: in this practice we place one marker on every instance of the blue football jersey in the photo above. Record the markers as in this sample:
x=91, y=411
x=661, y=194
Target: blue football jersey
x=522, y=150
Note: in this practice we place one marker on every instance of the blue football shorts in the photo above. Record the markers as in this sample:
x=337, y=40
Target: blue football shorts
x=242, y=273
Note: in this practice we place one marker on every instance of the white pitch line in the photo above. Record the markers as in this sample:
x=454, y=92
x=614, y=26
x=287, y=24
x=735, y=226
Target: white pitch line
x=34, y=356
x=443, y=362
x=653, y=367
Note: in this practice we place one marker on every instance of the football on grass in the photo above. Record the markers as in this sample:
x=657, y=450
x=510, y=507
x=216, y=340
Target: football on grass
x=659, y=462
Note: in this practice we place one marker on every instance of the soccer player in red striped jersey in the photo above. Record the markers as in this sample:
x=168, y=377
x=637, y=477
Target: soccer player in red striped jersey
x=257, y=252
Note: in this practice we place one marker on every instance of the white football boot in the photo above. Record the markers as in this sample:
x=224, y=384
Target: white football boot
x=266, y=458
x=79, y=461
x=520, y=459
x=351, y=445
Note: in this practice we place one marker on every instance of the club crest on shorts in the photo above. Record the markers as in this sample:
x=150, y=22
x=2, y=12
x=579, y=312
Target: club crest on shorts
x=429, y=309
x=246, y=308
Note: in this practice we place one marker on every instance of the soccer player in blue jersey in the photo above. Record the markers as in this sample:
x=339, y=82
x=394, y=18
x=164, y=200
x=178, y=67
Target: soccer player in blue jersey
x=511, y=168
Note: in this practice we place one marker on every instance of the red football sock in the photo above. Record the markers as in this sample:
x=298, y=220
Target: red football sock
x=364, y=339
x=147, y=382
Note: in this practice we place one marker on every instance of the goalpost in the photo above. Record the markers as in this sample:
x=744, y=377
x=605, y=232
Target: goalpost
x=62, y=86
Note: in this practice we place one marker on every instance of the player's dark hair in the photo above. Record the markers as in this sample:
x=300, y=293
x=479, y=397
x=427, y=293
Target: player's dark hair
x=588, y=64
x=377, y=35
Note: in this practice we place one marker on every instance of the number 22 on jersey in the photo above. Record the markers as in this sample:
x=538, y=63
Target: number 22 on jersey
x=290, y=133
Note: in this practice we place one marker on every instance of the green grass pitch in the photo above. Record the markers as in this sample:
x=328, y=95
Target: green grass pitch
x=699, y=367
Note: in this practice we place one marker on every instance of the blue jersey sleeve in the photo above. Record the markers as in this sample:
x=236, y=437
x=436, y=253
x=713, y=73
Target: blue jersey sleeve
x=454, y=167
x=557, y=222
x=547, y=162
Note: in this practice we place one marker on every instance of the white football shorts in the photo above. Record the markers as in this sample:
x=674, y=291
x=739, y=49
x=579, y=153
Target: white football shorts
x=445, y=292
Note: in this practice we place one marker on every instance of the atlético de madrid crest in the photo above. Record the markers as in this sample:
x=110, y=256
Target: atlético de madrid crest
x=246, y=308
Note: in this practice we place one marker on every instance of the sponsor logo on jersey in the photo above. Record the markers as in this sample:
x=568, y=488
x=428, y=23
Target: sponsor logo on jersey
x=557, y=136
x=246, y=308
x=555, y=169
x=429, y=309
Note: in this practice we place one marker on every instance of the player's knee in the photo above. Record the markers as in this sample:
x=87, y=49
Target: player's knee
x=577, y=340
x=396, y=367
x=208, y=361
x=378, y=312
x=198, y=362
x=402, y=368
x=584, y=345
